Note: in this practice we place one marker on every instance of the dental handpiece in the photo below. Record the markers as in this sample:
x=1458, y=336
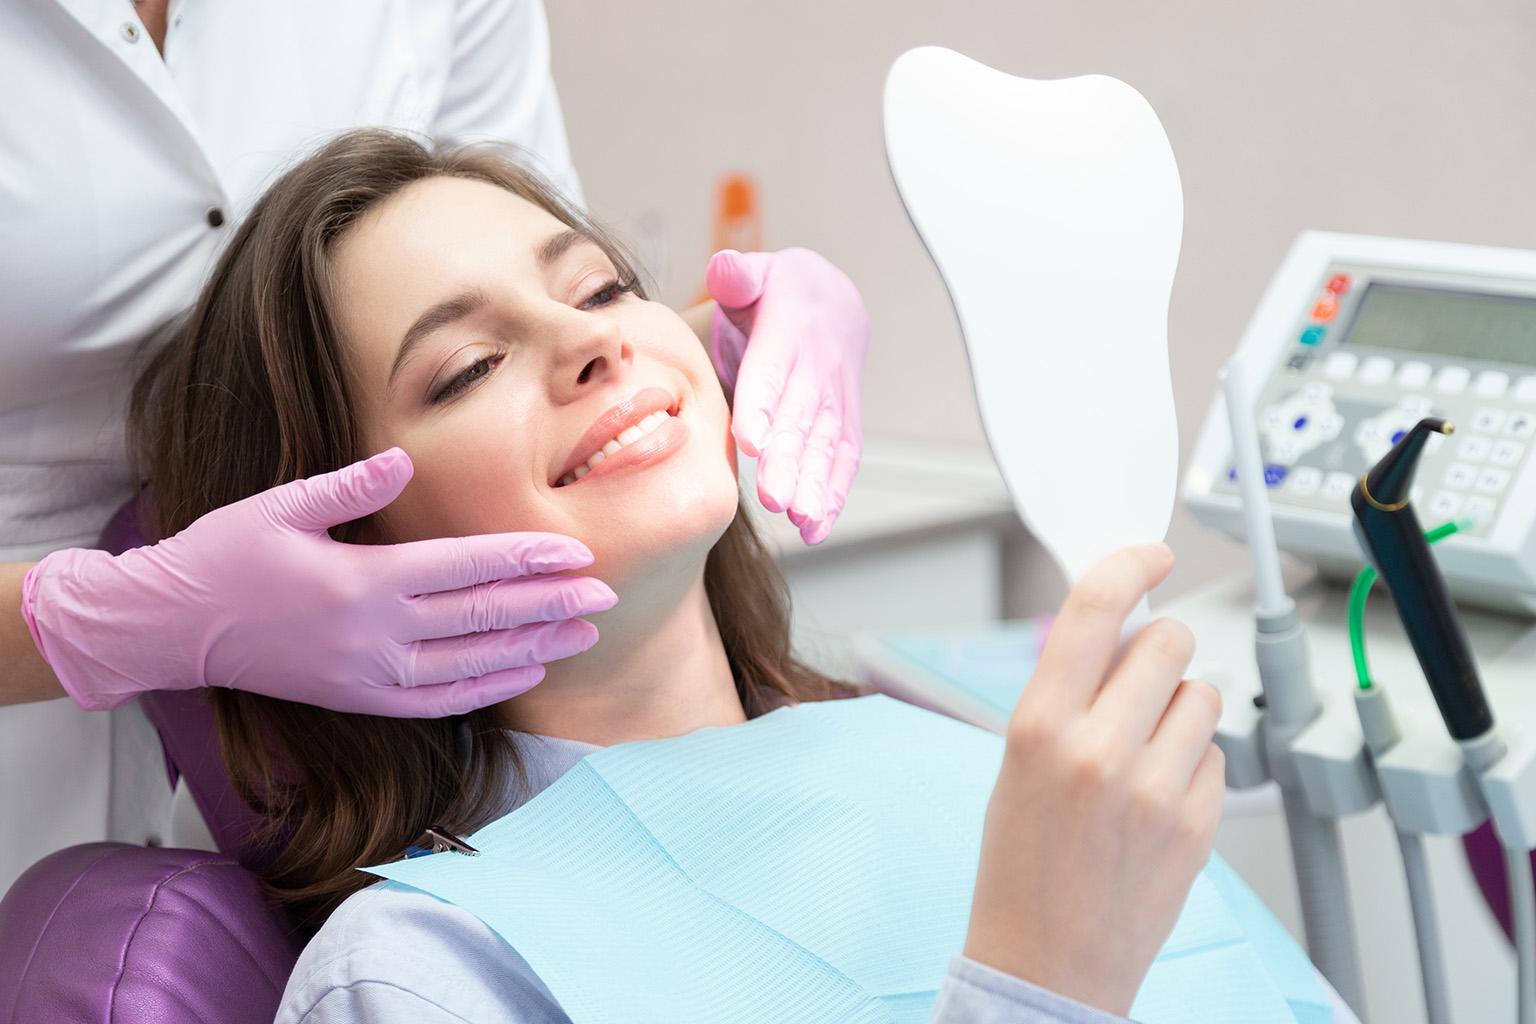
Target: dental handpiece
x=1389, y=529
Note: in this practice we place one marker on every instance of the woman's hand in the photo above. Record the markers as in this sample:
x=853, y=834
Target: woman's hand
x=257, y=596
x=1108, y=799
x=796, y=385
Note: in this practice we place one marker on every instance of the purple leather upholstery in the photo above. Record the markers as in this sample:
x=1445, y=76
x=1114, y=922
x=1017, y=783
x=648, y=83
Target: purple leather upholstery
x=1486, y=857
x=108, y=933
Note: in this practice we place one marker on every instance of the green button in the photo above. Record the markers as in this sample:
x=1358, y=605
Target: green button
x=1313, y=335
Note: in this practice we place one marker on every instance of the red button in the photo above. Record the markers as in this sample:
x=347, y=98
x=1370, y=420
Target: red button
x=1325, y=308
x=1338, y=284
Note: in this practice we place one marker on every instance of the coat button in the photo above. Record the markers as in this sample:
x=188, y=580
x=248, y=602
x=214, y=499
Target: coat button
x=215, y=217
x=130, y=31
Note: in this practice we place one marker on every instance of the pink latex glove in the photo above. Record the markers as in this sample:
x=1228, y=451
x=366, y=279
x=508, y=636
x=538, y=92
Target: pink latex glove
x=256, y=596
x=789, y=337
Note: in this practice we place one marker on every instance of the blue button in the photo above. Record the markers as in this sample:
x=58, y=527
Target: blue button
x=1301, y=422
x=1232, y=474
x=1399, y=436
x=1274, y=476
x=1313, y=335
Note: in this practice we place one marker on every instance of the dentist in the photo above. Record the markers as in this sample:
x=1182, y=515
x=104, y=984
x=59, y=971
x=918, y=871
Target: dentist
x=143, y=131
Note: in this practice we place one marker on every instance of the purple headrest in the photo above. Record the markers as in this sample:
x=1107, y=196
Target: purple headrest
x=108, y=932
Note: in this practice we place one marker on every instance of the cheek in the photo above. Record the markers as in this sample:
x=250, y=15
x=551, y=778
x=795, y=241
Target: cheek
x=467, y=480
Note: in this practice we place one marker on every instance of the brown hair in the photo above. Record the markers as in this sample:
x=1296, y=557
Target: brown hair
x=251, y=392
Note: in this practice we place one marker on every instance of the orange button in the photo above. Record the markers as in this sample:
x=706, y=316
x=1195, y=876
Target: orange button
x=1338, y=284
x=1326, y=307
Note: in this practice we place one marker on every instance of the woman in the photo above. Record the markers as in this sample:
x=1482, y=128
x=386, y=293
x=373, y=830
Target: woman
x=384, y=296
x=148, y=131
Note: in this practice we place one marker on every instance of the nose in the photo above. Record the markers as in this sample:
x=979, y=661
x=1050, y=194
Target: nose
x=592, y=350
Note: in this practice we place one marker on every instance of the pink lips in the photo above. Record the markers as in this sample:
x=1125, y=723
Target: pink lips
x=619, y=418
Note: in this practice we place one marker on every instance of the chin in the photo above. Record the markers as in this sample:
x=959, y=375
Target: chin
x=664, y=531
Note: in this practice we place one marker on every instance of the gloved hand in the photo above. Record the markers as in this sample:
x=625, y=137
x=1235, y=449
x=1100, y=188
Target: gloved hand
x=256, y=596
x=797, y=383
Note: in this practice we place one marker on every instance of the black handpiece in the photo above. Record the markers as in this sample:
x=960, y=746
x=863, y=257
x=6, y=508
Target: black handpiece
x=1393, y=538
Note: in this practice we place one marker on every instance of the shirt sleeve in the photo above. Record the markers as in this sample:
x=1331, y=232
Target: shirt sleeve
x=500, y=86
x=973, y=993
x=395, y=954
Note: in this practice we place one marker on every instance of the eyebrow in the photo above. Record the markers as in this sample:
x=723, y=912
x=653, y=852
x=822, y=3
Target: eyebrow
x=439, y=316
x=468, y=303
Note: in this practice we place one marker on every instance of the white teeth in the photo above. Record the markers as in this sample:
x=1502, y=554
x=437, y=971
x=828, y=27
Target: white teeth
x=629, y=435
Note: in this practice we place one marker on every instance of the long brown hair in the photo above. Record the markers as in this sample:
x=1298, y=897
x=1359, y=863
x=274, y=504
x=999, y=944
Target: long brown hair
x=251, y=392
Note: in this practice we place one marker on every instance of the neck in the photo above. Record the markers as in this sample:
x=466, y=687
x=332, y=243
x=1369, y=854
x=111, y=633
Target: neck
x=658, y=670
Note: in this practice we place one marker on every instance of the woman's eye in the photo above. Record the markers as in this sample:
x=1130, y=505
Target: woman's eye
x=608, y=293
x=464, y=381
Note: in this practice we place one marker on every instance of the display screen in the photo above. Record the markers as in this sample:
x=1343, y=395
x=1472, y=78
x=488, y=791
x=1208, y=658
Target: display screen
x=1436, y=321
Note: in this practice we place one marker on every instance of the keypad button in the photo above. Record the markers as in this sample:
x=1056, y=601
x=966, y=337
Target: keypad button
x=1452, y=380
x=1521, y=424
x=1490, y=384
x=1460, y=475
x=1376, y=370
x=1506, y=453
x=1525, y=389
x=1329, y=425
x=1415, y=407
x=1432, y=443
x=1473, y=449
x=1492, y=481
x=1414, y=374
x=1479, y=510
x=1336, y=486
x=1444, y=505
x=1316, y=393
x=1274, y=418
x=1487, y=420
x=1274, y=475
x=1340, y=365
x=1304, y=481
x=1284, y=451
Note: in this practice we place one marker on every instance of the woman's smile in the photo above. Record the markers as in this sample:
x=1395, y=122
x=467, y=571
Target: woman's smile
x=637, y=431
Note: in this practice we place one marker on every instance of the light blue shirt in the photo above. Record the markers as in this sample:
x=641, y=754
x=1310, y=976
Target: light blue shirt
x=392, y=953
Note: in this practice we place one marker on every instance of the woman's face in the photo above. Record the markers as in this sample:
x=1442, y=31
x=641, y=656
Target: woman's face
x=530, y=389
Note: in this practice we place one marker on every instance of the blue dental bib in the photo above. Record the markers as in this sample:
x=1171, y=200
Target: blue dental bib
x=814, y=864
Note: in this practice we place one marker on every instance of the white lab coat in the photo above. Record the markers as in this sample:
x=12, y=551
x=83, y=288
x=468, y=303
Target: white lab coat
x=121, y=176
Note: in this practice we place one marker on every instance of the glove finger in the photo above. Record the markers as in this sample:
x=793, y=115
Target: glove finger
x=449, y=563
x=317, y=503
x=736, y=279
x=809, y=503
x=443, y=700
x=778, y=466
x=507, y=604
x=478, y=654
x=761, y=382
x=844, y=469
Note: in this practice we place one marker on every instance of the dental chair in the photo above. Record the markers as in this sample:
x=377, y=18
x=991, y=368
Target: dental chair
x=110, y=933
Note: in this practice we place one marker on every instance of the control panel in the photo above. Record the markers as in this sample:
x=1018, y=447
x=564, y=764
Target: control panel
x=1361, y=338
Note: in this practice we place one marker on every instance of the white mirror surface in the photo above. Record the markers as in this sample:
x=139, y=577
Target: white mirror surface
x=1054, y=213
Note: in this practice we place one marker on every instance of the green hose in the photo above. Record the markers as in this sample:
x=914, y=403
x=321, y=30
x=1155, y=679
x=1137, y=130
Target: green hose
x=1357, y=595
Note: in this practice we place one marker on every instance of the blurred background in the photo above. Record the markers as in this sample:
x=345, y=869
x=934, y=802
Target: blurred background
x=1392, y=117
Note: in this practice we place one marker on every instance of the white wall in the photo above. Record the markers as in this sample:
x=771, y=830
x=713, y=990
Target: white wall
x=1394, y=117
